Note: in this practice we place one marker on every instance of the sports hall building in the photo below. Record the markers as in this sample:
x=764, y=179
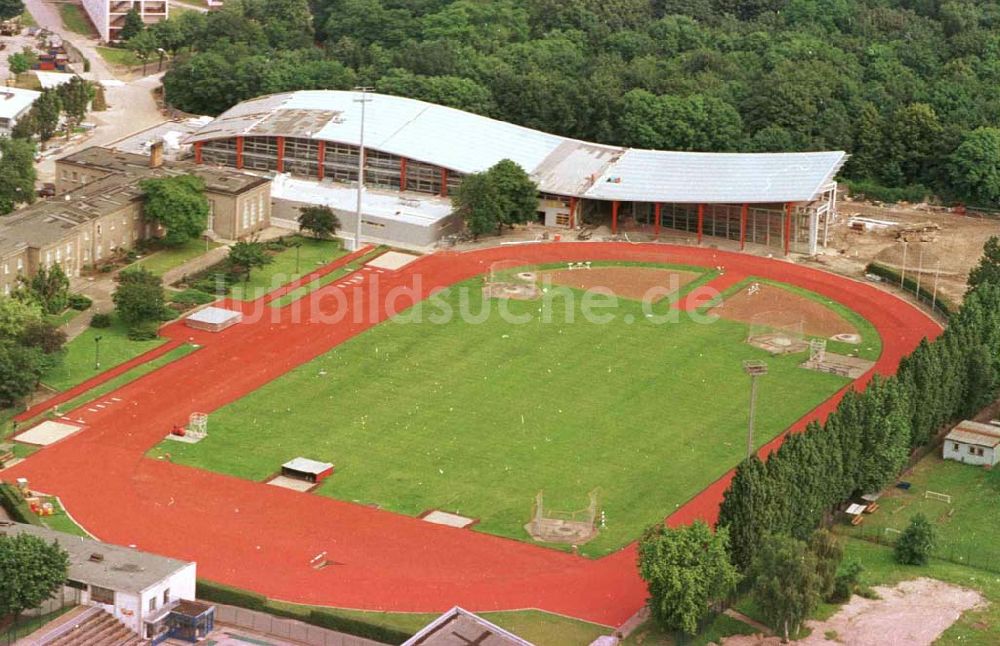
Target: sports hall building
x=417, y=153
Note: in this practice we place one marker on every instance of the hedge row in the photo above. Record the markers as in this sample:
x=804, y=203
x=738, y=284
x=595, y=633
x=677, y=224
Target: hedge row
x=891, y=195
x=230, y=596
x=910, y=285
x=15, y=506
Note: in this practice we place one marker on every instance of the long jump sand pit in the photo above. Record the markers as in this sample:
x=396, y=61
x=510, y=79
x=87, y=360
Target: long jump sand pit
x=913, y=613
x=638, y=283
x=48, y=432
x=817, y=319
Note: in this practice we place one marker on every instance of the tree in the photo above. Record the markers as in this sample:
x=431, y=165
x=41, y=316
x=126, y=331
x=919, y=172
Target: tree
x=20, y=62
x=45, y=114
x=975, y=167
x=132, y=27
x=746, y=511
x=478, y=204
x=31, y=571
x=43, y=335
x=16, y=315
x=829, y=553
x=11, y=9
x=517, y=193
x=786, y=583
x=144, y=45
x=17, y=173
x=321, y=221
x=988, y=269
x=48, y=287
x=687, y=570
x=21, y=367
x=177, y=203
x=139, y=296
x=245, y=256
x=75, y=97
x=916, y=542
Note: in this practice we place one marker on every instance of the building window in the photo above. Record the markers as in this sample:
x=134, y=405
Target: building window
x=20, y=264
x=166, y=596
x=102, y=595
x=6, y=289
x=152, y=604
x=6, y=268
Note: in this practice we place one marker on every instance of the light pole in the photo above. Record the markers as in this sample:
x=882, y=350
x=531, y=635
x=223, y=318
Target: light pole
x=162, y=52
x=755, y=368
x=361, y=164
x=97, y=352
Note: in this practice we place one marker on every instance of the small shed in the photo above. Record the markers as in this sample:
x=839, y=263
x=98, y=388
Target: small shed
x=214, y=319
x=306, y=469
x=972, y=443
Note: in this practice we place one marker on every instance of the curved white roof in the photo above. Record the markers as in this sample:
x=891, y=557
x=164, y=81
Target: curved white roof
x=470, y=143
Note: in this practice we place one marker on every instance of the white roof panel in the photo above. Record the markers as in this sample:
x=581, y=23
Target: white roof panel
x=468, y=143
x=305, y=465
x=661, y=176
x=14, y=101
x=214, y=315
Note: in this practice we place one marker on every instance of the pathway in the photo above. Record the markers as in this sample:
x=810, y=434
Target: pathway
x=262, y=538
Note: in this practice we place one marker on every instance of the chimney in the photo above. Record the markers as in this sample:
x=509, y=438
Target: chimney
x=156, y=154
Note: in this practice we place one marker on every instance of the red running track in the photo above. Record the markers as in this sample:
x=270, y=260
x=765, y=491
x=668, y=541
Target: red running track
x=260, y=537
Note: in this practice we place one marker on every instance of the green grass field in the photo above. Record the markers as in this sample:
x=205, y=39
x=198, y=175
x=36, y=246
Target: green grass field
x=312, y=255
x=78, y=363
x=967, y=529
x=75, y=19
x=477, y=418
x=164, y=260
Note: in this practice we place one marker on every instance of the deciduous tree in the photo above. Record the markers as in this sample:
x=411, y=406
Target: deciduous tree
x=320, y=221
x=139, y=296
x=31, y=571
x=916, y=543
x=245, y=256
x=17, y=173
x=178, y=204
x=687, y=570
x=786, y=583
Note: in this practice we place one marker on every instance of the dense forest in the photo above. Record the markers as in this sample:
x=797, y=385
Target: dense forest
x=908, y=87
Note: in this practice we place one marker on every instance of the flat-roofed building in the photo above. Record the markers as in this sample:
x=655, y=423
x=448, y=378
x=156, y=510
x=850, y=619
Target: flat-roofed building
x=108, y=16
x=14, y=104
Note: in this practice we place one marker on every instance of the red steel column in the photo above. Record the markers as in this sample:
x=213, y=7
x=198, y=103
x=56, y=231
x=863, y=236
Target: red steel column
x=744, y=214
x=656, y=210
x=572, y=212
x=614, y=217
x=197, y=152
x=788, y=228
x=281, y=154
x=320, y=160
x=402, y=173
x=701, y=222
x=444, y=182
x=239, y=152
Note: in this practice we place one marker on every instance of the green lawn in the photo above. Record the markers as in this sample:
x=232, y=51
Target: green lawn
x=78, y=363
x=649, y=634
x=61, y=522
x=478, y=418
x=75, y=19
x=120, y=56
x=326, y=279
x=162, y=261
x=967, y=529
x=312, y=255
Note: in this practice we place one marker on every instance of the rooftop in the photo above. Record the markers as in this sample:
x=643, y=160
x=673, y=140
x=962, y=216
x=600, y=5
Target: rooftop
x=459, y=627
x=975, y=433
x=411, y=208
x=14, y=101
x=171, y=133
x=469, y=143
x=109, y=566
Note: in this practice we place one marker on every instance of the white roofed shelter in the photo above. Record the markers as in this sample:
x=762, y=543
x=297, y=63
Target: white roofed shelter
x=14, y=103
x=776, y=199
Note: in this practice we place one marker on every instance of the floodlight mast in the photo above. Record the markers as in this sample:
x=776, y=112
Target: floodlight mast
x=754, y=368
x=361, y=163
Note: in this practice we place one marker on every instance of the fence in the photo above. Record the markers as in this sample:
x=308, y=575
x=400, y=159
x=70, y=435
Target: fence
x=983, y=556
x=32, y=620
x=293, y=629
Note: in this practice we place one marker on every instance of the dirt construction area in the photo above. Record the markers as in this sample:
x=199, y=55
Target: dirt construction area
x=913, y=613
x=639, y=283
x=748, y=306
x=941, y=246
